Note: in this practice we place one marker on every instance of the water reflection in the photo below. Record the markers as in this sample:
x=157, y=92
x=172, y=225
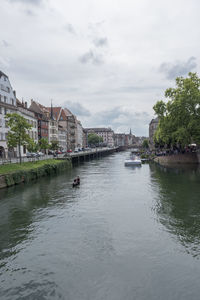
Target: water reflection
x=178, y=203
x=19, y=207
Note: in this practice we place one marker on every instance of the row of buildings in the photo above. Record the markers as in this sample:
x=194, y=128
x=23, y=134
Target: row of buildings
x=52, y=123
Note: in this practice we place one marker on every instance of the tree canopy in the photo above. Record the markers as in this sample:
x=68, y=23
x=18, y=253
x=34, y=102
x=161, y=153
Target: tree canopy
x=32, y=146
x=145, y=144
x=179, y=118
x=54, y=145
x=94, y=139
x=18, y=133
x=43, y=144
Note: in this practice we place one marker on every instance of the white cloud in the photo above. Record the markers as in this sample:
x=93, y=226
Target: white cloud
x=99, y=54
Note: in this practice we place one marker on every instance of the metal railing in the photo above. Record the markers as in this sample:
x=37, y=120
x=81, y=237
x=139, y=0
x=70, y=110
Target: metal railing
x=16, y=160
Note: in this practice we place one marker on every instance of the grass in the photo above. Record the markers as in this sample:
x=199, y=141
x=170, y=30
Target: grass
x=11, y=168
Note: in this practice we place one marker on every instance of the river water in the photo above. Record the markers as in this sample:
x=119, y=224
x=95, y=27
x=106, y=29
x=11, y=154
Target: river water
x=125, y=233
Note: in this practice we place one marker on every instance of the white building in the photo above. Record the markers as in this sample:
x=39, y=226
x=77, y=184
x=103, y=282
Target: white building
x=23, y=111
x=79, y=134
x=62, y=138
x=7, y=105
x=106, y=133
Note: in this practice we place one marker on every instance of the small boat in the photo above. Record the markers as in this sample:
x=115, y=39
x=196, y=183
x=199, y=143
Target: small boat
x=76, y=182
x=132, y=161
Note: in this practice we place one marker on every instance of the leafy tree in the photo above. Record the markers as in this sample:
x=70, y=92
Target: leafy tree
x=32, y=146
x=94, y=139
x=145, y=144
x=18, y=133
x=43, y=144
x=54, y=145
x=179, y=118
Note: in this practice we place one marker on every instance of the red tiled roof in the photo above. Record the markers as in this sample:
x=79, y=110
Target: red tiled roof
x=56, y=111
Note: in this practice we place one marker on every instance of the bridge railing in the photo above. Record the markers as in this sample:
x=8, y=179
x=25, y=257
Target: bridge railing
x=72, y=154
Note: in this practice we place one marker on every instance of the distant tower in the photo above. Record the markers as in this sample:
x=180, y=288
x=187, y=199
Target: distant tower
x=51, y=111
x=130, y=132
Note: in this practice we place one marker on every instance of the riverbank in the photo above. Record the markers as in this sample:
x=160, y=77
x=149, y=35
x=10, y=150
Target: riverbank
x=175, y=159
x=12, y=174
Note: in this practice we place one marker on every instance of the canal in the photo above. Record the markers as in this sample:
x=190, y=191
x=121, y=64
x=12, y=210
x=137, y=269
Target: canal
x=123, y=234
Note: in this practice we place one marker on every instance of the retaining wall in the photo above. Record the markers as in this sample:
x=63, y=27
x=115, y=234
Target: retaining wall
x=17, y=177
x=187, y=158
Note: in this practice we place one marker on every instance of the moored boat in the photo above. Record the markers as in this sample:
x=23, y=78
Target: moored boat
x=133, y=160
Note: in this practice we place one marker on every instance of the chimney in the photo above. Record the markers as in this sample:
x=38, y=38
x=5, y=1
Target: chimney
x=25, y=104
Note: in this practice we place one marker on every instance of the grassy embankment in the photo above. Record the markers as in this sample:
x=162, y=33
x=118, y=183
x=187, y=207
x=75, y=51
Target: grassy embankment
x=16, y=173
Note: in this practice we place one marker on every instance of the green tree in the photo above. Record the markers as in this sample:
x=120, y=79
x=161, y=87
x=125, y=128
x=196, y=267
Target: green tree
x=94, y=139
x=145, y=144
x=54, y=145
x=43, y=144
x=18, y=133
x=32, y=146
x=179, y=118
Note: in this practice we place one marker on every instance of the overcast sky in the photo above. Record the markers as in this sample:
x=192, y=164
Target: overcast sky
x=107, y=61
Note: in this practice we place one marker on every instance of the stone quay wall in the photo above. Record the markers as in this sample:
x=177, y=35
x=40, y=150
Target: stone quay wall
x=21, y=176
x=187, y=158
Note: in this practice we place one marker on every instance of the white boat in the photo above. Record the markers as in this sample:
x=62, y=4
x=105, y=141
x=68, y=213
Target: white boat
x=132, y=161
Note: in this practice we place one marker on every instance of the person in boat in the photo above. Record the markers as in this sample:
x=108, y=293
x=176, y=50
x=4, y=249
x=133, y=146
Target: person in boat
x=74, y=183
x=78, y=180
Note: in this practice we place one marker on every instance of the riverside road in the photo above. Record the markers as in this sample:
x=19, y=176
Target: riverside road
x=125, y=233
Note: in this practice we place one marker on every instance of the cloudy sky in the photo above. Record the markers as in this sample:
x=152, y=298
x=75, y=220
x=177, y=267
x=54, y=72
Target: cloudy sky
x=107, y=61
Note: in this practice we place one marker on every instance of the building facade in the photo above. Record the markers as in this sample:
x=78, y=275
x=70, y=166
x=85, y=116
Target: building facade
x=79, y=134
x=62, y=138
x=152, y=129
x=7, y=105
x=42, y=117
x=106, y=133
x=68, y=121
x=23, y=110
x=120, y=139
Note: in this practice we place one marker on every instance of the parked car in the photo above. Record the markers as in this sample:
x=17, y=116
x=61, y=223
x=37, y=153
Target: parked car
x=40, y=153
x=58, y=152
x=76, y=150
x=69, y=150
x=31, y=154
x=50, y=152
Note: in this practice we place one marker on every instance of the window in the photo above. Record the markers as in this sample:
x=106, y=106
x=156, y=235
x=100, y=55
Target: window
x=5, y=98
x=12, y=101
x=0, y=97
x=0, y=110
